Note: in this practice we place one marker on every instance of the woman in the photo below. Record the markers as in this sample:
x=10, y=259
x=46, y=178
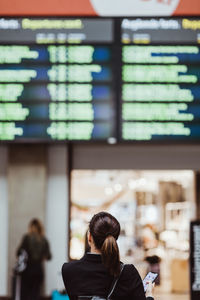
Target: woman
x=37, y=248
x=94, y=273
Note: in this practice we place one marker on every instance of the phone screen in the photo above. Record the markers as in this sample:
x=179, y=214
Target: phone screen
x=149, y=277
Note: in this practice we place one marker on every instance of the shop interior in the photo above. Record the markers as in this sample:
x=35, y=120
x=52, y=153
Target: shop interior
x=154, y=209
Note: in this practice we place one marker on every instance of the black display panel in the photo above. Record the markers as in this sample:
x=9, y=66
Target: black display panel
x=195, y=260
x=160, y=92
x=56, y=79
x=100, y=79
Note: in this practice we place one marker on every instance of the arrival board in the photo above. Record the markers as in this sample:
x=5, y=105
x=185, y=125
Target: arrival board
x=160, y=91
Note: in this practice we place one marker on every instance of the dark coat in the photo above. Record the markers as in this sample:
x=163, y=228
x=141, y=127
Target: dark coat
x=31, y=279
x=88, y=276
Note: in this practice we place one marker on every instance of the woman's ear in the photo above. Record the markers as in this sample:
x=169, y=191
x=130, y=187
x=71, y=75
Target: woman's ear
x=89, y=237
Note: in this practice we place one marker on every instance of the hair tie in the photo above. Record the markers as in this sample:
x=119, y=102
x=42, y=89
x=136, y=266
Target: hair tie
x=108, y=234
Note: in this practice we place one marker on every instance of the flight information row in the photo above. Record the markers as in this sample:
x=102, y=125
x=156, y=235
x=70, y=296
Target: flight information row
x=54, y=54
x=73, y=131
x=85, y=131
x=15, y=54
x=131, y=92
x=59, y=73
x=56, y=111
x=55, y=92
x=97, y=73
x=99, y=111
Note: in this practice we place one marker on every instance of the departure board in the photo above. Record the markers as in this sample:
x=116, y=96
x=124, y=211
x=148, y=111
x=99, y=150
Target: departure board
x=100, y=79
x=56, y=79
x=160, y=91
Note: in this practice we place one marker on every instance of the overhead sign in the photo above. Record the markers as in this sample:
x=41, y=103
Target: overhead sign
x=101, y=7
x=100, y=79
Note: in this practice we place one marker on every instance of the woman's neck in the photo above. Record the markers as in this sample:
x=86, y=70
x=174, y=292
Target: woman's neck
x=94, y=250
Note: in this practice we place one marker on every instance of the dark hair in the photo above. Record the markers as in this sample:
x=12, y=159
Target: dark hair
x=87, y=246
x=105, y=230
x=37, y=225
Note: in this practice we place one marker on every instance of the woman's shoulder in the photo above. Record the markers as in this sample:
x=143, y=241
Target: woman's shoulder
x=130, y=274
x=44, y=239
x=25, y=236
x=129, y=282
x=69, y=267
x=130, y=269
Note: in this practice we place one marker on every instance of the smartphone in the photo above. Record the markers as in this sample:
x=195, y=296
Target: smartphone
x=149, y=277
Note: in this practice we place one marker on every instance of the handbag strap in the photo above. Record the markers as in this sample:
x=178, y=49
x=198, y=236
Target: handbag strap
x=114, y=283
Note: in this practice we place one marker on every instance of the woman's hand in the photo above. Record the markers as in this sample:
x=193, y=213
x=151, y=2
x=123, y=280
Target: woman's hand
x=150, y=288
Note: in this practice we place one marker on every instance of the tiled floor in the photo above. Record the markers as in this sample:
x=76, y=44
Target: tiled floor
x=162, y=292
x=160, y=296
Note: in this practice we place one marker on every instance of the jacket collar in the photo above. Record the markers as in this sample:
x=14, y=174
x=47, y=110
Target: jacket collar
x=92, y=257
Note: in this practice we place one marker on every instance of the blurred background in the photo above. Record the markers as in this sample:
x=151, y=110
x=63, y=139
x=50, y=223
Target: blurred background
x=64, y=186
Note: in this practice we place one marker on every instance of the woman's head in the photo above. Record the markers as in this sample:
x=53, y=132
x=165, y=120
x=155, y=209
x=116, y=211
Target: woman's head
x=35, y=226
x=105, y=229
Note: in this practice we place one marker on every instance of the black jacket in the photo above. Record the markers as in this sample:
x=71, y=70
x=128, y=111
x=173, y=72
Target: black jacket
x=38, y=250
x=88, y=276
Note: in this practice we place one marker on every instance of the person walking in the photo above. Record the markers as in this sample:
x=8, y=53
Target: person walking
x=36, y=246
x=95, y=273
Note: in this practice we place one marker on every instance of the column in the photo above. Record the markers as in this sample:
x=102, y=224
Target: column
x=3, y=222
x=57, y=215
